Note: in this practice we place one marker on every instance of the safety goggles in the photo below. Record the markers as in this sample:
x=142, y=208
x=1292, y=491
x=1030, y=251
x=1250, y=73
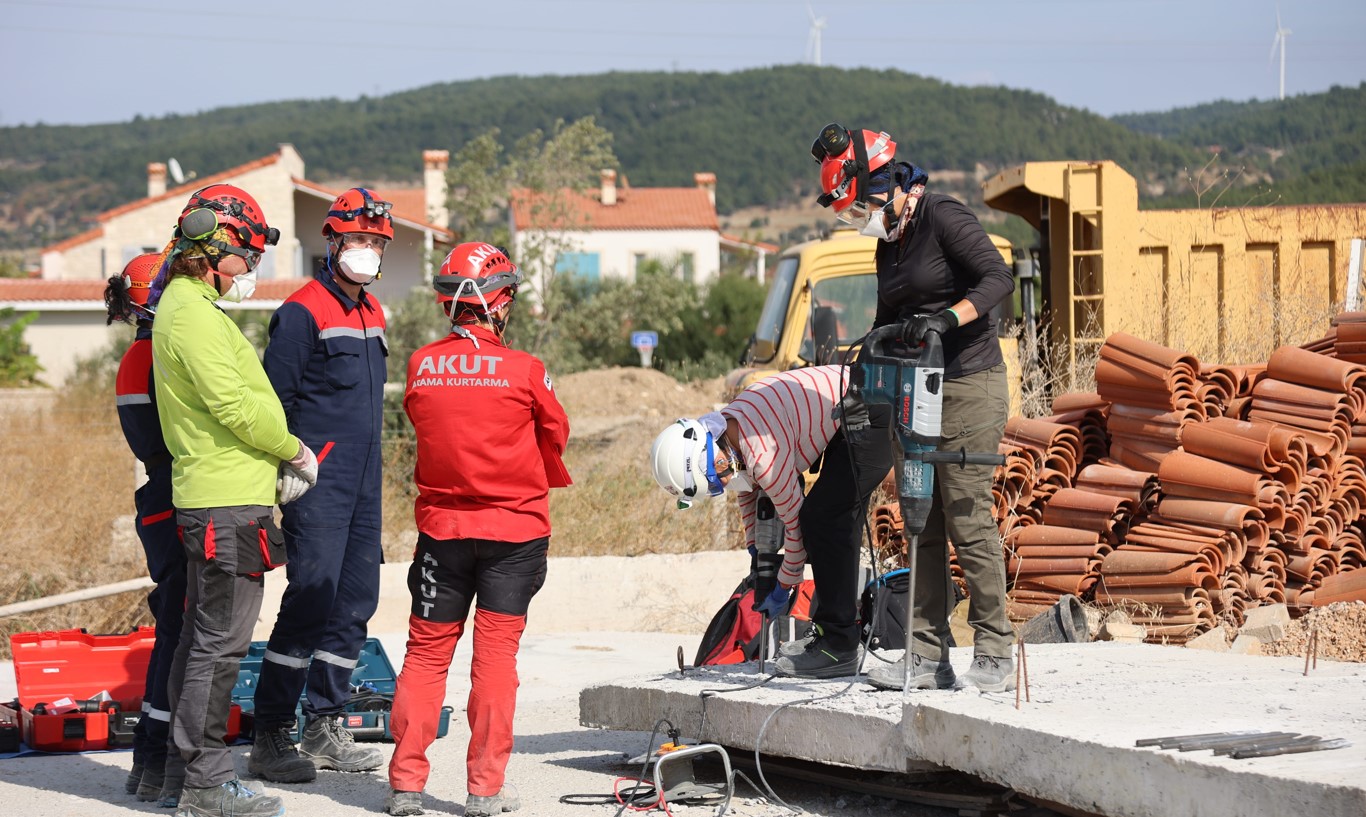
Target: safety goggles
x=715, y=487
x=362, y=240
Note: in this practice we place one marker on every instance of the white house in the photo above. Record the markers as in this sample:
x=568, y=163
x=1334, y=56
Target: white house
x=68, y=295
x=611, y=231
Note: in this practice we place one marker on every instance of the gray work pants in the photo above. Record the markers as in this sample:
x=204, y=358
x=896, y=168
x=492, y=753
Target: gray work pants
x=975, y=409
x=227, y=549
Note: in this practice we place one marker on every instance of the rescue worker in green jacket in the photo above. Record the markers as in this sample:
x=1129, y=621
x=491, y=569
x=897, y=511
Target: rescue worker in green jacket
x=232, y=453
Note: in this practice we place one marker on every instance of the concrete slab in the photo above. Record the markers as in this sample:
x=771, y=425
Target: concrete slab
x=1072, y=744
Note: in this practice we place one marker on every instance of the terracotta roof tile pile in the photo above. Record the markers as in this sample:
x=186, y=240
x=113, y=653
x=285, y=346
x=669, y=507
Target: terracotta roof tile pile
x=1222, y=487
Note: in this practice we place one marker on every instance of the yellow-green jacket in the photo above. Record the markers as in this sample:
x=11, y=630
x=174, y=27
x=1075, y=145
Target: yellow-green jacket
x=221, y=419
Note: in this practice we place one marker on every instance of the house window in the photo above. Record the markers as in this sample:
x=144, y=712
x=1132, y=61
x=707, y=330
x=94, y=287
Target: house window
x=582, y=265
x=687, y=265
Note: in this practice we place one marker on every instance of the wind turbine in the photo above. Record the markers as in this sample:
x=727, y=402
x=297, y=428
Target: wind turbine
x=813, y=38
x=1279, y=42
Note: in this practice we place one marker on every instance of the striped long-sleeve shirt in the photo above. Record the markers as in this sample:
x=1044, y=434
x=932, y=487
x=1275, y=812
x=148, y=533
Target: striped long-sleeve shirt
x=785, y=423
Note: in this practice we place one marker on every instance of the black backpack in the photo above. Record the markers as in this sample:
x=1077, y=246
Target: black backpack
x=884, y=604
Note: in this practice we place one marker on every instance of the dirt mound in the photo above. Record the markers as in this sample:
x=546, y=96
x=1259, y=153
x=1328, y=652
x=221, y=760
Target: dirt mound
x=625, y=392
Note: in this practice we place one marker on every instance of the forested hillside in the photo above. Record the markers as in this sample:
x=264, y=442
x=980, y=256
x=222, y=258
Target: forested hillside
x=751, y=128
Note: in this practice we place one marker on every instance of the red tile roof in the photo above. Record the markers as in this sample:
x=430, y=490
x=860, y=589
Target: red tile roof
x=637, y=208
x=19, y=289
x=409, y=205
x=186, y=189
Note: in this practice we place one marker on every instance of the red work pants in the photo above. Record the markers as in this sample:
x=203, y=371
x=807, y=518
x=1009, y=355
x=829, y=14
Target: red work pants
x=492, y=702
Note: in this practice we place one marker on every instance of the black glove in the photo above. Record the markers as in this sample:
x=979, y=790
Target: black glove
x=913, y=329
x=851, y=414
x=766, y=567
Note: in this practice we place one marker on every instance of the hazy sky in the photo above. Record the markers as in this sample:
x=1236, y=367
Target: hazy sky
x=84, y=61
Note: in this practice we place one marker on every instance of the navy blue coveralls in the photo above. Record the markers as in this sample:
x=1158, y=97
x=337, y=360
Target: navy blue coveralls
x=326, y=360
x=156, y=526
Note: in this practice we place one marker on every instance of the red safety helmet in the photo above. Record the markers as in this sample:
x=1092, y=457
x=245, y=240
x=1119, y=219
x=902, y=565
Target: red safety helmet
x=847, y=158
x=138, y=276
x=358, y=211
x=479, y=277
x=226, y=206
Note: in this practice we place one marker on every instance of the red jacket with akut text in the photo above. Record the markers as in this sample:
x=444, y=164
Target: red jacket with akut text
x=490, y=436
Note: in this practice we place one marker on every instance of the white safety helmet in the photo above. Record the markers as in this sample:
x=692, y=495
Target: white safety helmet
x=683, y=459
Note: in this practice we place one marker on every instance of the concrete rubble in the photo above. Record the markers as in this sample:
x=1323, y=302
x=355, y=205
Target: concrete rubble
x=1072, y=743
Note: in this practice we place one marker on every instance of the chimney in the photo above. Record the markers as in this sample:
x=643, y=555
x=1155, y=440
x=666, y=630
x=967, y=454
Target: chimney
x=707, y=181
x=156, y=179
x=434, y=164
x=609, y=187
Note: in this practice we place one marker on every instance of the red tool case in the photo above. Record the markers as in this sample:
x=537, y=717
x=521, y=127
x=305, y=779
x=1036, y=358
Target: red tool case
x=74, y=664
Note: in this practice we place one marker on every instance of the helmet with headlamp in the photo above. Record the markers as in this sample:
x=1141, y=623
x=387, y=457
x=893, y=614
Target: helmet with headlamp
x=361, y=227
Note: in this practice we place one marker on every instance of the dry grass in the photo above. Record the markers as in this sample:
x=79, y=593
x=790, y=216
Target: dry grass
x=67, y=523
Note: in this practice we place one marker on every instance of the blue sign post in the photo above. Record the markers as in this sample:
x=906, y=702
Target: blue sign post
x=645, y=343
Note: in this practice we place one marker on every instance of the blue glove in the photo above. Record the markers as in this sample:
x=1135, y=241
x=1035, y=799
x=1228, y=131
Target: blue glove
x=775, y=604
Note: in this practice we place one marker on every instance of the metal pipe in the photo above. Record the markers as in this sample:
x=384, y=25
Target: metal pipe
x=88, y=594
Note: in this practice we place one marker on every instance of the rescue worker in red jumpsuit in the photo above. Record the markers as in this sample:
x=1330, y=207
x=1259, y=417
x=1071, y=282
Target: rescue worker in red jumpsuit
x=125, y=298
x=490, y=436
x=326, y=361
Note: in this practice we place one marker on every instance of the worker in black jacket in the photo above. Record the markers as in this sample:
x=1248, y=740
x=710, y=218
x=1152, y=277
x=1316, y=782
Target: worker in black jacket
x=937, y=270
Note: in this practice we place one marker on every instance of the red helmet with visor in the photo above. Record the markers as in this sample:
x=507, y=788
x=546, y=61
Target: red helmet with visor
x=479, y=277
x=847, y=158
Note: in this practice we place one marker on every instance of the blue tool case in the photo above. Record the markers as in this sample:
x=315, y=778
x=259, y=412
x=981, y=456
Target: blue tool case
x=372, y=694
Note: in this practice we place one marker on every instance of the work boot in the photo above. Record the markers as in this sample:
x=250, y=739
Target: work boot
x=172, y=785
x=505, y=800
x=991, y=674
x=151, y=784
x=404, y=803
x=134, y=779
x=818, y=660
x=232, y=799
x=274, y=758
x=925, y=674
x=331, y=746
x=797, y=646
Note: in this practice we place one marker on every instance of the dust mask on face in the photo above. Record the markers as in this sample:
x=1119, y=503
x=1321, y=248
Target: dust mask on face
x=359, y=266
x=240, y=288
x=876, y=225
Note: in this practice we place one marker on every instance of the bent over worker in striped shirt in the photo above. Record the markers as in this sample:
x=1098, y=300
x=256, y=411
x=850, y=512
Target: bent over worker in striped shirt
x=759, y=445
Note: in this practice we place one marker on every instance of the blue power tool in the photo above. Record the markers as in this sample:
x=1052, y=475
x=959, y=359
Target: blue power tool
x=910, y=379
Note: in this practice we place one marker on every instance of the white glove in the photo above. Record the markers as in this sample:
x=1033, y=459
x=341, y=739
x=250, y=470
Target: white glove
x=297, y=475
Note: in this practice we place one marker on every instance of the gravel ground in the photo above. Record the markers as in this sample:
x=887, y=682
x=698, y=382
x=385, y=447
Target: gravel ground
x=553, y=756
x=1342, y=633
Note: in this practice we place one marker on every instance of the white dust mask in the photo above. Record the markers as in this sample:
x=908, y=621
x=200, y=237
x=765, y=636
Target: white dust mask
x=360, y=266
x=241, y=288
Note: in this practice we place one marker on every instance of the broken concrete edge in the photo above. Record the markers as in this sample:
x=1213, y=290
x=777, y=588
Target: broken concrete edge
x=1065, y=770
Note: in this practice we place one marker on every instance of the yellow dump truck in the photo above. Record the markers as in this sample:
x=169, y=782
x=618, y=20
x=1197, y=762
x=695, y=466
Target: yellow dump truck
x=1228, y=285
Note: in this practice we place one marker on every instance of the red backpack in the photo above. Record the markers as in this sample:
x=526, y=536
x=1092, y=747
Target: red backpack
x=732, y=637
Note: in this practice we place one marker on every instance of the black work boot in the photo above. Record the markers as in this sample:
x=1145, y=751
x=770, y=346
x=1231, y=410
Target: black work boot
x=820, y=659
x=329, y=745
x=274, y=758
x=232, y=799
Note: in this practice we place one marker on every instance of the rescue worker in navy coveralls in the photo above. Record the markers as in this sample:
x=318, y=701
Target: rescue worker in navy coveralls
x=490, y=436
x=326, y=360
x=126, y=300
